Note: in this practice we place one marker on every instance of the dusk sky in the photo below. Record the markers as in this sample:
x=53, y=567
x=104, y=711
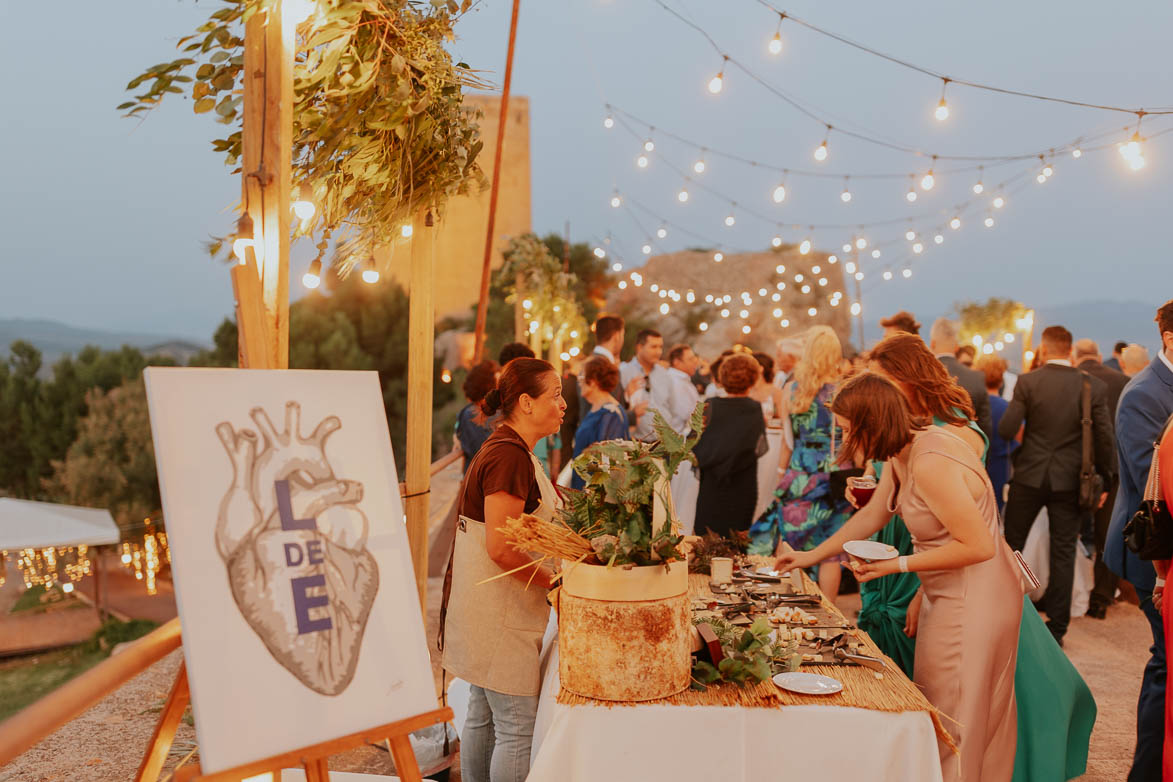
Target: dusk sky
x=104, y=217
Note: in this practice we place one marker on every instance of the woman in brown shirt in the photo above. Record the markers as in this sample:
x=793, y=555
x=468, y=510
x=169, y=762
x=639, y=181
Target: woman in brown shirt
x=494, y=622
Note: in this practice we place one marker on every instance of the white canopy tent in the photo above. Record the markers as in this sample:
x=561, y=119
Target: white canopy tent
x=27, y=524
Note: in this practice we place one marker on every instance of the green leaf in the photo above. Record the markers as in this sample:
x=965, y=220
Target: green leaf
x=204, y=105
x=220, y=56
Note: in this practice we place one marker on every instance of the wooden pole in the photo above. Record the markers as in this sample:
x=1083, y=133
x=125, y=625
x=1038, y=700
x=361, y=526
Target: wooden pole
x=421, y=342
x=486, y=266
x=267, y=162
x=859, y=301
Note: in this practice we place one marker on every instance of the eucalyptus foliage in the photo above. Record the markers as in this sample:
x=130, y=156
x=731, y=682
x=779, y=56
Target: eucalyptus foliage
x=538, y=278
x=379, y=128
x=750, y=654
x=614, y=510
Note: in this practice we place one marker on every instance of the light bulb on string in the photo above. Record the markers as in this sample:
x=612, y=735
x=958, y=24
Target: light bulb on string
x=780, y=193
x=313, y=278
x=918, y=248
x=805, y=247
x=910, y=196
x=775, y=45
x=999, y=202
x=1077, y=153
x=832, y=259
x=303, y=206
x=847, y=247
x=989, y=222
x=699, y=165
x=370, y=275
x=718, y=257
x=887, y=275
x=910, y=234
x=600, y=252
x=978, y=187
x=642, y=161
x=859, y=276
x=942, y=111
x=776, y=241
x=616, y=201
x=661, y=232
x=682, y=196
x=646, y=249
x=928, y=180
x=608, y=122
x=938, y=239
x=245, y=238
x=845, y=196
x=907, y=273
x=861, y=243
x=955, y=223
x=855, y=308
x=717, y=83
x=649, y=145
x=876, y=253
x=730, y=220
x=820, y=151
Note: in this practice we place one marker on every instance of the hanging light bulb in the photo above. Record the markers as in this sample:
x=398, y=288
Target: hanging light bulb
x=775, y=45
x=718, y=257
x=717, y=83
x=805, y=247
x=821, y=149
x=303, y=206
x=646, y=249
x=699, y=165
x=600, y=252
x=845, y=196
x=780, y=269
x=938, y=239
x=847, y=247
x=989, y=222
x=978, y=186
x=370, y=274
x=942, y=111
x=616, y=267
x=245, y=238
x=682, y=196
x=1048, y=171
x=832, y=259
x=623, y=285
x=776, y=241
x=928, y=180
x=608, y=122
x=642, y=161
x=1041, y=178
x=887, y=275
x=918, y=248
x=910, y=196
x=780, y=193
x=861, y=243
x=649, y=145
x=703, y=326
x=313, y=278
x=1077, y=153
x=910, y=234
x=955, y=223
x=730, y=220
x=999, y=202
x=690, y=297
x=907, y=273
x=616, y=201
x=406, y=230
x=876, y=253
x=661, y=232
x=855, y=308
x=725, y=313
x=664, y=308
x=812, y=311
x=859, y=276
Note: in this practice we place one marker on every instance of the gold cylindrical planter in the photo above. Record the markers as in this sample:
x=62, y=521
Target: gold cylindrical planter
x=624, y=634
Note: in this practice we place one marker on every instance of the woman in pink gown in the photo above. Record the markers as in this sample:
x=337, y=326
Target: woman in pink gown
x=967, y=639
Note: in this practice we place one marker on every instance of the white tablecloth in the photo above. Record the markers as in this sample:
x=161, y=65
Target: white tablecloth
x=679, y=743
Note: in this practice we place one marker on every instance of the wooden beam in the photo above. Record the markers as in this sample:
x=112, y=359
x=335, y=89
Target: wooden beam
x=266, y=163
x=164, y=735
x=486, y=266
x=421, y=336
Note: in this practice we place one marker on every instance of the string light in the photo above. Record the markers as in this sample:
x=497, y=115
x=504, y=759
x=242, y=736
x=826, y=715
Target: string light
x=664, y=308
x=911, y=194
x=776, y=242
x=642, y=161
x=832, y=259
x=942, y=112
x=622, y=284
x=928, y=180
x=717, y=83
x=600, y=252
x=955, y=223
x=616, y=201
x=1077, y=153
x=646, y=249
x=775, y=45
x=855, y=308
x=780, y=269
x=617, y=267
x=682, y=196
x=910, y=234
x=805, y=247
x=999, y=202
x=370, y=275
x=406, y=231
x=649, y=145
x=718, y=257
x=938, y=239
x=907, y=273
x=699, y=165
x=703, y=326
x=861, y=243
x=780, y=193
x=887, y=275
x=876, y=253
x=821, y=149
x=918, y=248
x=245, y=238
x=608, y=122
x=303, y=207
x=845, y=196
x=661, y=232
x=989, y=222
x=313, y=278
x=978, y=187
x=730, y=220
x=847, y=247
x=812, y=311
x=746, y=329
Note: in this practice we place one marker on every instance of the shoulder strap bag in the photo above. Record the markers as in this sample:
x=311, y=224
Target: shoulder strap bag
x=1091, y=485
x=1149, y=533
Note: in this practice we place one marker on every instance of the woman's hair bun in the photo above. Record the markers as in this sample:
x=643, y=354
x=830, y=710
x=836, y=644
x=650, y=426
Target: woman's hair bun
x=492, y=402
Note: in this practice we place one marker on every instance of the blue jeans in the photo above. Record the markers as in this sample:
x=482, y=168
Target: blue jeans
x=498, y=732
x=1150, y=707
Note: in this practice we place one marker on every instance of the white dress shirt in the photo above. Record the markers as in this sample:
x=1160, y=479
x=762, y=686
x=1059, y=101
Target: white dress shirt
x=1165, y=360
x=602, y=351
x=675, y=398
x=658, y=377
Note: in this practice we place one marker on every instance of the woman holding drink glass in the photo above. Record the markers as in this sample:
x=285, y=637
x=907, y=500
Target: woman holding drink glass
x=968, y=635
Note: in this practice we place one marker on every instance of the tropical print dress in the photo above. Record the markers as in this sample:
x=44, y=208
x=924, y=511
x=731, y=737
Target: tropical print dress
x=803, y=512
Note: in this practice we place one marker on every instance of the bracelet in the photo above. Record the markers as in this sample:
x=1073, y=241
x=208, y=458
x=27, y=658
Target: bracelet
x=902, y=563
x=1160, y=583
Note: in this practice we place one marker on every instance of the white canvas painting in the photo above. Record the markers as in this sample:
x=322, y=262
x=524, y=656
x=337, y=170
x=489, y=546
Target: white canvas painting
x=290, y=558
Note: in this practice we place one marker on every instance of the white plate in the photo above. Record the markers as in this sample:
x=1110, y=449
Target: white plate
x=870, y=550
x=808, y=683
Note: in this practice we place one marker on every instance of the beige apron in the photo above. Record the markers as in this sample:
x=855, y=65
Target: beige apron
x=493, y=630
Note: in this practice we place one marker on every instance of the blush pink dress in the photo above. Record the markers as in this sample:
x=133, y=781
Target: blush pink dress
x=967, y=639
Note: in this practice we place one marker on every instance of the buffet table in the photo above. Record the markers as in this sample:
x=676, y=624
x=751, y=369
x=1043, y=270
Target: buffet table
x=731, y=734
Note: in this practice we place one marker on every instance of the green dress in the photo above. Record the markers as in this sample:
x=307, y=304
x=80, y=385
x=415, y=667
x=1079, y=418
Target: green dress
x=1056, y=710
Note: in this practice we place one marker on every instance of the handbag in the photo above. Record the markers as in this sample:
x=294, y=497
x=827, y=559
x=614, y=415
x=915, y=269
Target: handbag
x=837, y=479
x=1149, y=533
x=1091, y=485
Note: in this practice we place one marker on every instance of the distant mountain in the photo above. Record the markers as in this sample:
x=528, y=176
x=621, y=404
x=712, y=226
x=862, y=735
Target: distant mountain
x=55, y=339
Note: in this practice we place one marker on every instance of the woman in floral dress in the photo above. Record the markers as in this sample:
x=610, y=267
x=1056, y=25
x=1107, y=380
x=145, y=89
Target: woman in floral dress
x=804, y=513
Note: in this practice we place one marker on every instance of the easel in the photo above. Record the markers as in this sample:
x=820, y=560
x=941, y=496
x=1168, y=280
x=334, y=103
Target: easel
x=261, y=290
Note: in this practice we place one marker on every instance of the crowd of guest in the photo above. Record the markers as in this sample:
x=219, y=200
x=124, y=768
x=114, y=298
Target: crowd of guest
x=967, y=458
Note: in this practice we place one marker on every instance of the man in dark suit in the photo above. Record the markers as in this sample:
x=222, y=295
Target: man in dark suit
x=1047, y=466
x=1117, y=353
x=1145, y=406
x=1086, y=357
x=944, y=341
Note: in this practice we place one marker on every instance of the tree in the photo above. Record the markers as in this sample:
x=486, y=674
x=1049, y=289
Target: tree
x=990, y=320
x=111, y=464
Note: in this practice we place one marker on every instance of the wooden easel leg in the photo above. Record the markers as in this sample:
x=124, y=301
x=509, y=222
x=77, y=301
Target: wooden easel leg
x=404, y=756
x=160, y=744
x=317, y=770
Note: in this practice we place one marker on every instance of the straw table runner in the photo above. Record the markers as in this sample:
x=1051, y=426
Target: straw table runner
x=863, y=688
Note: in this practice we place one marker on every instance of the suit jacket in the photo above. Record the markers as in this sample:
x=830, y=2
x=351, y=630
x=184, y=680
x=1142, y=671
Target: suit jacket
x=1112, y=363
x=974, y=383
x=1145, y=405
x=1050, y=400
x=1113, y=379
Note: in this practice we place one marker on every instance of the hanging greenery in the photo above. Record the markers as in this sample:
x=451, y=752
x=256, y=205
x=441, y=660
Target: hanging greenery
x=552, y=311
x=379, y=127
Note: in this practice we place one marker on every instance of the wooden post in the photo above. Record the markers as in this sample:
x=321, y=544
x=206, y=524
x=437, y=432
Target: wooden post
x=266, y=163
x=421, y=342
x=486, y=270
x=859, y=301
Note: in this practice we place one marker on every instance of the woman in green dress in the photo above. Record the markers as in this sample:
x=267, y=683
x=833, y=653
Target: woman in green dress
x=1056, y=709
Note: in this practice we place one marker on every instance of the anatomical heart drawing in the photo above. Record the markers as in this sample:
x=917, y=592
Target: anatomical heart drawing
x=292, y=535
